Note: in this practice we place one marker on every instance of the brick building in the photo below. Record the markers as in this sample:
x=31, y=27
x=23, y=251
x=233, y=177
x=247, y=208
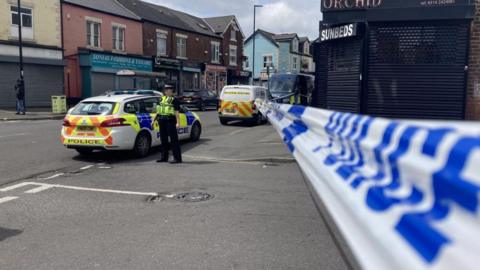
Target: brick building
x=100, y=38
x=473, y=86
x=231, y=51
x=180, y=44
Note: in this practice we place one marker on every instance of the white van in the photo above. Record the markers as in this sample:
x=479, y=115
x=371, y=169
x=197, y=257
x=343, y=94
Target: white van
x=237, y=102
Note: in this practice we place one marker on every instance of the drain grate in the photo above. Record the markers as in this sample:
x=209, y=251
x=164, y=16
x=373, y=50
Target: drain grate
x=193, y=197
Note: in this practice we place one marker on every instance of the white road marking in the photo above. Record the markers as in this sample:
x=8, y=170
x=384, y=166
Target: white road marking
x=38, y=189
x=13, y=135
x=86, y=167
x=15, y=186
x=7, y=199
x=52, y=177
x=235, y=132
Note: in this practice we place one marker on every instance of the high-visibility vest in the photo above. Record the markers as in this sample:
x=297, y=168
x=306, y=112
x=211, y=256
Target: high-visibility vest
x=166, y=108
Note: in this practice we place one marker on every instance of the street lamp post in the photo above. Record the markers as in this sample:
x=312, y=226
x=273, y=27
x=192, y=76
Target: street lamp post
x=20, y=45
x=254, y=37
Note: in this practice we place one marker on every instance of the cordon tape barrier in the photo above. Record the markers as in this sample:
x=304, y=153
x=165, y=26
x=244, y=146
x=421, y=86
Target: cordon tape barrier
x=404, y=194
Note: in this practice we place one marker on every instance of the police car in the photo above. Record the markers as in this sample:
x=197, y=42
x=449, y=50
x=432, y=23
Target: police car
x=121, y=122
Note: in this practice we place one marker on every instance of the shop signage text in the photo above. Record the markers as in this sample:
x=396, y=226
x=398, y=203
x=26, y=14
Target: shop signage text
x=345, y=5
x=339, y=32
x=111, y=61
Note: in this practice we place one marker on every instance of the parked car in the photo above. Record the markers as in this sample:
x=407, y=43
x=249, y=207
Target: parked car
x=199, y=99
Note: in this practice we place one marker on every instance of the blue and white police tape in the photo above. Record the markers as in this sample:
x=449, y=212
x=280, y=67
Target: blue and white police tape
x=404, y=194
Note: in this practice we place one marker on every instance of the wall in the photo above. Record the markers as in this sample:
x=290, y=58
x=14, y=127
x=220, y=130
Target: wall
x=226, y=49
x=46, y=21
x=74, y=24
x=197, y=44
x=262, y=46
x=473, y=90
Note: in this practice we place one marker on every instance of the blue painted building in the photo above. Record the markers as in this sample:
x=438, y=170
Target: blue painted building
x=283, y=52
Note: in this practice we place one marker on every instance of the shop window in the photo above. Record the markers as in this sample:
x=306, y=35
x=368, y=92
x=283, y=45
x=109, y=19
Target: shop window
x=215, y=52
x=338, y=59
x=161, y=43
x=27, y=22
x=93, y=34
x=118, y=33
x=181, y=47
x=233, y=55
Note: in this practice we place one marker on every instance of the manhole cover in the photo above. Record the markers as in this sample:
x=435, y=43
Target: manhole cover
x=193, y=197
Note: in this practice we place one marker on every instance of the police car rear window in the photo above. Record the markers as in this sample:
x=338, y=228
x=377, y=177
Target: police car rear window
x=94, y=108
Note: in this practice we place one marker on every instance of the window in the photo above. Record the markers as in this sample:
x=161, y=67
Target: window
x=118, y=38
x=150, y=105
x=233, y=55
x=93, y=108
x=267, y=61
x=295, y=63
x=93, y=34
x=161, y=43
x=181, y=46
x=215, y=52
x=306, y=48
x=295, y=45
x=233, y=35
x=247, y=63
x=27, y=22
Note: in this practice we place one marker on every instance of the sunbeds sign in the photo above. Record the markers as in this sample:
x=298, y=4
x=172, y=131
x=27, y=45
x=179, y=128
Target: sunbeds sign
x=339, y=5
x=339, y=32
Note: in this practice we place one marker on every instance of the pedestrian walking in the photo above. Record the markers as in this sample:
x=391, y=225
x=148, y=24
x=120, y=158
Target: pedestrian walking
x=20, y=93
x=169, y=120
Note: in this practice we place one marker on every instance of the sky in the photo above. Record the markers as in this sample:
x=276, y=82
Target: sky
x=277, y=16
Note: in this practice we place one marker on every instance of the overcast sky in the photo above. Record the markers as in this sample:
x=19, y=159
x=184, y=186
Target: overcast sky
x=278, y=16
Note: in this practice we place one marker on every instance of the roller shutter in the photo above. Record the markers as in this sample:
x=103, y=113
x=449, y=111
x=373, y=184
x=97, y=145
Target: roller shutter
x=338, y=76
x=417, y=70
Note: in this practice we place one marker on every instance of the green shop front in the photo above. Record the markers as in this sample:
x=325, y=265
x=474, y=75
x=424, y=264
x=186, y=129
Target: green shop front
x=99, y=72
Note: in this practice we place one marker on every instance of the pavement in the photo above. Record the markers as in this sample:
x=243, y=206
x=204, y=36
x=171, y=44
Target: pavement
x=112, y=211
x=32, y=114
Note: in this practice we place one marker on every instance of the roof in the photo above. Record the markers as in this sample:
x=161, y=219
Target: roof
x=107, y=6
x=220, y=24
x=303, y=39
x=168, y=17
x=267, y=35
x=112, y=98
x=288, y=36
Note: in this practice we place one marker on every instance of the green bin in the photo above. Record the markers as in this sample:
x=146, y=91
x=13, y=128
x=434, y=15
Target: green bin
x=59, y=104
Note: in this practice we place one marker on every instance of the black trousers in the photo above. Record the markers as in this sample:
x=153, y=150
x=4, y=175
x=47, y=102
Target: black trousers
x=168, y=129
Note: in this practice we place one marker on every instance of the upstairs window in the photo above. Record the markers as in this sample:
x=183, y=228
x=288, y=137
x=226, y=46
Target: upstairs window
x=233, y=35
x=233, y=55
x=181, y=46
x=161, y=43
x=295, y=45
x=118, y=38
x=267, y=61
x=27, y=22
x=93, y=34
x=215, y=52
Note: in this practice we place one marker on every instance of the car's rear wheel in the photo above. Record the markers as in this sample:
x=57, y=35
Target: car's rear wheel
x=196, y=132
x=202, y=107
x=223, y=122
x=143, y=143
x=84, y=151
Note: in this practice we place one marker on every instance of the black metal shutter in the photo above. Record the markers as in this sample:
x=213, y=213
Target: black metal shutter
x=338, y=75
x=417, y=69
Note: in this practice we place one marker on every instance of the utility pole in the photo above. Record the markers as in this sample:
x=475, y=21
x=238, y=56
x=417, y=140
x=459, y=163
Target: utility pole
x=20, y=44
x=254, y=37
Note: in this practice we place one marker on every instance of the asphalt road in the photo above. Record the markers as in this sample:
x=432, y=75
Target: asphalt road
x=63, y=211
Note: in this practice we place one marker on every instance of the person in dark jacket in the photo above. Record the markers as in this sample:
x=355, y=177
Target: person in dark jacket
x=20, y=93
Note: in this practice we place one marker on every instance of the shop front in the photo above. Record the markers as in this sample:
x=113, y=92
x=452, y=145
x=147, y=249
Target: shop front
x=390, y=58
x=99, y=72
x=215, y=78
x=236, y=76
x=182, y=74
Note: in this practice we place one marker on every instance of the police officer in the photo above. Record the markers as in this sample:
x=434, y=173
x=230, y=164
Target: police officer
x=169, y=120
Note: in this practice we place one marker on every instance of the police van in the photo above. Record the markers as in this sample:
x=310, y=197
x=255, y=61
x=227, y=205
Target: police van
x=121, y=122
x=237, y=102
